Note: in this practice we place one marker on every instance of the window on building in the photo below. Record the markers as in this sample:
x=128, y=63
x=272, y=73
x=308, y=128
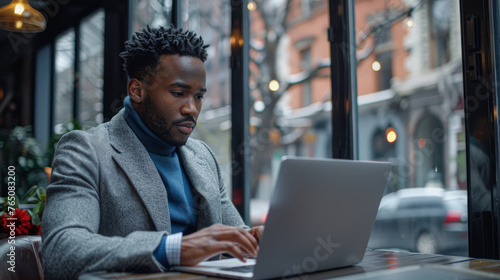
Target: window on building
x=440, y=27
x=306, y=86
x=306, y=8
x=383, y=55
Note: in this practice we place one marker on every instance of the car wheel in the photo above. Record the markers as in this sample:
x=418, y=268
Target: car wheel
x=426, y=243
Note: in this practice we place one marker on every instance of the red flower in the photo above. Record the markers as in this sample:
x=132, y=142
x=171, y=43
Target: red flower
x=20, y=218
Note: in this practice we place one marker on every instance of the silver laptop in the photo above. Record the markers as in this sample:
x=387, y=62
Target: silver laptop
x=321, y=215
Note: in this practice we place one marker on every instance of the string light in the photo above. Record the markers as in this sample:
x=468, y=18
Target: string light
x=259, y=106
x=274, y=85
x=390, y=134
x=408, y=22
x=251, y=6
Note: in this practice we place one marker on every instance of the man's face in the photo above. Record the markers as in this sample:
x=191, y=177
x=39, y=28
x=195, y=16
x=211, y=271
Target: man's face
x=173, y=98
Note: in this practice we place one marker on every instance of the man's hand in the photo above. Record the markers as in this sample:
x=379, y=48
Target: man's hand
x=216, y=239
x=256, y=232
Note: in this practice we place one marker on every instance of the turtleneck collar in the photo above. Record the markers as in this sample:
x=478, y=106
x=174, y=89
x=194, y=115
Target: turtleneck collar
x=152, y=142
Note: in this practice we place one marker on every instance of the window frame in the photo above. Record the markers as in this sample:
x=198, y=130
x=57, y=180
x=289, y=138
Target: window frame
x=481, y=97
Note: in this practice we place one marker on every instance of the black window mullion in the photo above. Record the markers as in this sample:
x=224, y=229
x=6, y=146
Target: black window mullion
x=240, y=116
x=52, y=85
x=343, y=78
x=482, y=138
x=177, y=13
x=115, y=80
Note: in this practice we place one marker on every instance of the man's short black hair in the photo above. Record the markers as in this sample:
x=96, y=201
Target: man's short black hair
x=142, y=52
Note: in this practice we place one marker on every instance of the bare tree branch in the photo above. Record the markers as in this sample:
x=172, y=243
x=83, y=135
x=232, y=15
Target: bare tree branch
x=258, y=63
x=263, y=14
x=256, y=45
x=365, y=52
x=292, y=137
x=306, y=74
x=285, y=15
x=387, y=23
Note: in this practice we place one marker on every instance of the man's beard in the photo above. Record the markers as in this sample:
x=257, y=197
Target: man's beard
x=158, y=125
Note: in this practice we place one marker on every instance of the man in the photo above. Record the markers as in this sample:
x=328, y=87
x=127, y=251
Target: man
x=136, y=194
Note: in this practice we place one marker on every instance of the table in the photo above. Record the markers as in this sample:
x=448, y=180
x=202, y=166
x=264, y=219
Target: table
x=374, y=261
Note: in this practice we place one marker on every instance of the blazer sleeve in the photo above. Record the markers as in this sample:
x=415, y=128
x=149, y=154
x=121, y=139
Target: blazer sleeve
x=230, y=216
x=70, y=240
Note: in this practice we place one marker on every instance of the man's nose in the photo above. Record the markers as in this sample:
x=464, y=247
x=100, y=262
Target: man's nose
x=189, y=108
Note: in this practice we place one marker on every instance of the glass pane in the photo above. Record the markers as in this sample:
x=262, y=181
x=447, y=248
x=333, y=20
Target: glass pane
x=91, y=70
x=212, y=20
x=290, y=90
x=410, y=113
x=64, y=80
x=150, y=12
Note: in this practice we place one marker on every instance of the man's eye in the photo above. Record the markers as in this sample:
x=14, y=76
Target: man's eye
x=177, y=93
x=200, y=97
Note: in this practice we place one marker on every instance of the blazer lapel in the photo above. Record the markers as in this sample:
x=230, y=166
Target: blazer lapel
x=133, y=158
x=203, y=184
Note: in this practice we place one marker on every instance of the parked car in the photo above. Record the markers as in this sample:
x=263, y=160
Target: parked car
x=425, y=220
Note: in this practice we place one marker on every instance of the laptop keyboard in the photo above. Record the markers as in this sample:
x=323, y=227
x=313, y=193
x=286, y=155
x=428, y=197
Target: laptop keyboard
x=242, y=269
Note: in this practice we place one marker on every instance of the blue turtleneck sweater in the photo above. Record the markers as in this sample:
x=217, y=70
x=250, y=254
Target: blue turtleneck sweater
x=179, y=190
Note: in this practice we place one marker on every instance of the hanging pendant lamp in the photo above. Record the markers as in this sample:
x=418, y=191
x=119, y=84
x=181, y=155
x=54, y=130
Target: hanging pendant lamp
x=19, y=16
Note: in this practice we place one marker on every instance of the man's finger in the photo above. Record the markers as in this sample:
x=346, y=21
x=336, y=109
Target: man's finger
x=257, y=232
x=231, y=248
x=242, y=238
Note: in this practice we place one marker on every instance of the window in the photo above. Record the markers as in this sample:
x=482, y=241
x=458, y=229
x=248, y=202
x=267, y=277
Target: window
x=90, y=80
x=64, y=80
x=306, y=87
x=78, y=74
x=440, y=27
x=383, y=55
x=290, y=91
x=422, y=106
x=306, y=8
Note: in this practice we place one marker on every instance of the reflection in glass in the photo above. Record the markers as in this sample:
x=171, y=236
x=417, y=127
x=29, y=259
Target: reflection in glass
x=288, y=44
x=64, y=80
x=417, y=92
x=91, y=70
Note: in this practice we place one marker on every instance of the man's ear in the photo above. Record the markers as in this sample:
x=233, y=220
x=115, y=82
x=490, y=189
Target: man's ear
x=136, y=91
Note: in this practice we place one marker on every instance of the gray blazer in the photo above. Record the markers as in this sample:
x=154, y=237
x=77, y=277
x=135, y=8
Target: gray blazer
x=107, y=207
